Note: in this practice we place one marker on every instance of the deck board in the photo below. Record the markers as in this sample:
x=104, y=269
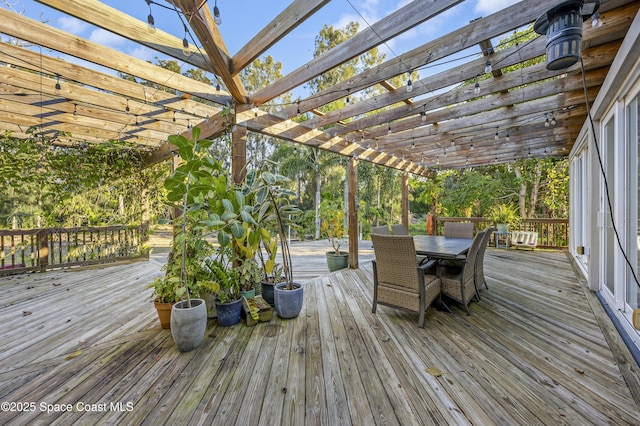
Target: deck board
x=531, y=352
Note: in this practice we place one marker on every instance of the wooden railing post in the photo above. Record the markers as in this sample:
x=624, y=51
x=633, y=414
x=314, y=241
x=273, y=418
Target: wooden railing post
x=43, y=250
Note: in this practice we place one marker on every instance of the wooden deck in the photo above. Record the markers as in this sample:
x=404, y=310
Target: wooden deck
x=532, y=352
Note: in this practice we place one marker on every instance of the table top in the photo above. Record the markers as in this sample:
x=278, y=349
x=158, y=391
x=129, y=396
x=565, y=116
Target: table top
x=439, y=247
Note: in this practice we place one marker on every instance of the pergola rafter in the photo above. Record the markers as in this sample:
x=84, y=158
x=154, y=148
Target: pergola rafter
x=108, y=107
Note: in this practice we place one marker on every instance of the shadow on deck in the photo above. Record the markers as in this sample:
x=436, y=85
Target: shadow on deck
x=532, y=352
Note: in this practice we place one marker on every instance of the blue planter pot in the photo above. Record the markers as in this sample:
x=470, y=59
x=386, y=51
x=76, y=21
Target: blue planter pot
x=188, y=324
x=267, y=293
x=248, y=294
x=229, y=313
x=288, y=302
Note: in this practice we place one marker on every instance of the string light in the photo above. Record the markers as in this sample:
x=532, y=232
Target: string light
x=127, y=109
x=185, y=43
x=596, y=22
x=553, y=120
x=75, y=111
x=58, y=87
x=409, y=85
x=347, y=100
x=151, y=23
x=174, y=116
x=216, y=13
x=546, y=120
x=497, y=137
x=476, y=88
x=389, y=129
x=487, y=67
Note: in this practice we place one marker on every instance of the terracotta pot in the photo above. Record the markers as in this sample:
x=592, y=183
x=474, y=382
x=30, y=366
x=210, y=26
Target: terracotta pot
x=164, y=313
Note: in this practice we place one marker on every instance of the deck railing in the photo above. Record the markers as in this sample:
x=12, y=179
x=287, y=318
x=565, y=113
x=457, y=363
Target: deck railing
x=552, y=233
x=26, y=250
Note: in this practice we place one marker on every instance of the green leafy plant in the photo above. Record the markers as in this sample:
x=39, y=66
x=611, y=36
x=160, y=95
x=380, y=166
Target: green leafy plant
x=222, y=280
x=165, y=289
x=332, y=225
x=187, y=188
x=503, y=213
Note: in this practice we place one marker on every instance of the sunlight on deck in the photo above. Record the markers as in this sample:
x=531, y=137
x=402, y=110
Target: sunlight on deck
x=532, y=352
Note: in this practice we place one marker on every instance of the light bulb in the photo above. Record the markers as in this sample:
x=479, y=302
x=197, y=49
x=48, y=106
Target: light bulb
x=596, y=22
x=75, y=112
x=185, y=47
x=409, y=86
x=151, y=24
x=424, y=116
x=487, y=67
x=553, y=120
x=216, y=15
x=476, y=89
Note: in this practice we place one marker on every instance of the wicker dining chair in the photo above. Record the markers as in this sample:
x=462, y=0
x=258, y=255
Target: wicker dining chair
x=458, y=230
x=398, y=280
x=458, y=282
x=399, y=229
x=479, y=266
x=380, y=230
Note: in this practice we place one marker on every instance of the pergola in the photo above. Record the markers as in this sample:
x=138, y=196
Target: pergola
x=444, y=121
x=406, y=130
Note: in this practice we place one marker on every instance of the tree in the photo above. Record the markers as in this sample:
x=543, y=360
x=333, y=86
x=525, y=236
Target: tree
x=260, y=74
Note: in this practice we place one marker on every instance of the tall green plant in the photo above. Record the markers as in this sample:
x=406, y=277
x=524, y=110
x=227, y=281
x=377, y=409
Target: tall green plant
x=187, y=188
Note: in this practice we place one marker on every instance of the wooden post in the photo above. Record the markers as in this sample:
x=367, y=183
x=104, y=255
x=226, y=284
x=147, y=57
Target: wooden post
x=352, y=176
x=144, y=217
x=239, y=147
x=43, y=250
x=405, y=200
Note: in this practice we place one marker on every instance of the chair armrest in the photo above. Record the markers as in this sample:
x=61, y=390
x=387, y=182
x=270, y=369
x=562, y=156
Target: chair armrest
x=428, y=265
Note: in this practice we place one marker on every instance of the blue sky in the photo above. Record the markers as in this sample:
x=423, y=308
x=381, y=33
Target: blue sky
x=241, y=19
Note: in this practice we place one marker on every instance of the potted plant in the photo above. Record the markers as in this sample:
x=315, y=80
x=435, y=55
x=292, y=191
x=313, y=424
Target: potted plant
x=503, y=216
x=186, y=188
x=332, y=228
x=224, y=281
x=164, y=297
x=249, y=277
x=288, y=295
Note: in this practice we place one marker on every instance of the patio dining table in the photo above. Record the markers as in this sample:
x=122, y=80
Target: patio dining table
x=440, y=247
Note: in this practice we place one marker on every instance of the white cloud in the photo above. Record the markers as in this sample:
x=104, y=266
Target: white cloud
x=487, y=7
x=142, y=53
x=71, y=25
x=106, y=38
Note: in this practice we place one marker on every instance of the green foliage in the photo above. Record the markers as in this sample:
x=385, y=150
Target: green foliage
x=165, y=289
x=332, y=226
x=503, y=213
x=222, y=280
x=45, y=184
